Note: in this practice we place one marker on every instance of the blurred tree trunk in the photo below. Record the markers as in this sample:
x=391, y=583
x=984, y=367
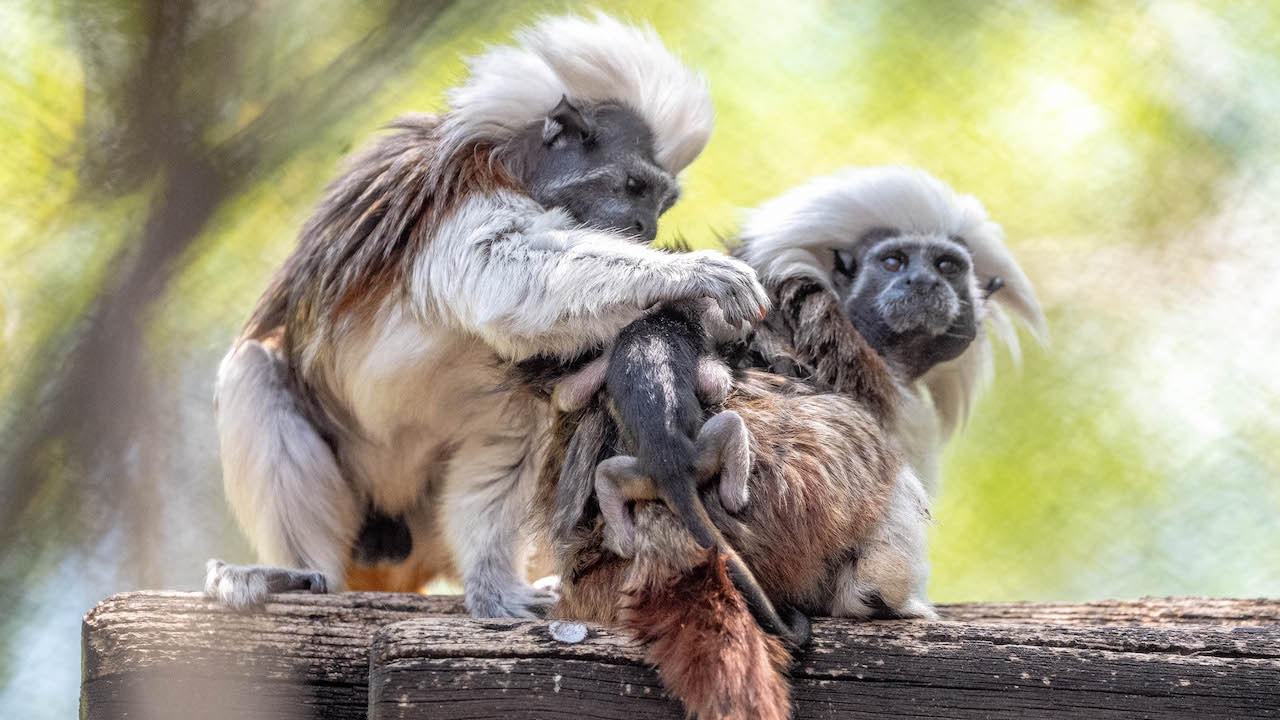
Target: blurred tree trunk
x=150, y=87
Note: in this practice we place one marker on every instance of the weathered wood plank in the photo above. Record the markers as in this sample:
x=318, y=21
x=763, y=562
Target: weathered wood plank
x=1147, y=611
x=452, y=668
x=160, y=655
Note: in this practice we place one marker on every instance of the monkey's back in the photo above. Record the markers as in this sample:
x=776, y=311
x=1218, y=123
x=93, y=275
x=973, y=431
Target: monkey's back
x=821, y=479
x=822, y=474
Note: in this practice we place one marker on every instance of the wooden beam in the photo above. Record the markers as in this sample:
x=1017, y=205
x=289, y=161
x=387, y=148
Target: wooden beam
x=177, y=655
x=306, y=656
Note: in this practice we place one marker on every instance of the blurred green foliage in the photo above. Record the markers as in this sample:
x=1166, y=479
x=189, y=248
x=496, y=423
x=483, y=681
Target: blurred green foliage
x=160, y=156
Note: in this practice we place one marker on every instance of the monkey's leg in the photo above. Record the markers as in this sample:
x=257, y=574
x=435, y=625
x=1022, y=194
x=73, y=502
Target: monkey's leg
x=714, y=380
x=488, y=493
x=619, y=481
x=892, y=568
x=724, y=446
x=281, y=480
x=574, y=392
x=245, y=587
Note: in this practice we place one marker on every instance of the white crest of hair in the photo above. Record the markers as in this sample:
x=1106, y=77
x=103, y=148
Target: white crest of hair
x=586, y=60
x=793, y=235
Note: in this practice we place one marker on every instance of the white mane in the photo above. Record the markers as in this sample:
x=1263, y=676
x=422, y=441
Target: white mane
x=793, y=235
x=588, y=60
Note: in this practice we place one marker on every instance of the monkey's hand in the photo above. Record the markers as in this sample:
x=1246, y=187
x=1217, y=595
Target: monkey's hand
x=246, y=587
x=731, y=283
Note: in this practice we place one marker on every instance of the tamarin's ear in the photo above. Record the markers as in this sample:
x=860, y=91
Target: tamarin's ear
x=993, y=286
x=567, y=122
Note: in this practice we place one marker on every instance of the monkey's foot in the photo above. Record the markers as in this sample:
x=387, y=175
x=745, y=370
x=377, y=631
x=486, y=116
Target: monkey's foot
x=246, y=587
x=619, y=481
x=860, y=599
x=513, y=601
x=550, y=583
x=916, y=609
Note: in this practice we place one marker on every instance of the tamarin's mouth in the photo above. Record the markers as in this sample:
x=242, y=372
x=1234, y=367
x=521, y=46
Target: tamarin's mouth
x=929, y=312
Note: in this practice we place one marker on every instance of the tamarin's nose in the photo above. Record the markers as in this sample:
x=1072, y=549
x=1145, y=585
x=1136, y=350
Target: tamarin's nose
x=922, y=280
x=642, y=230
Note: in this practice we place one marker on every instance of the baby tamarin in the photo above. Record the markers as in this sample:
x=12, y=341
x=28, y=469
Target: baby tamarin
x=658, y=374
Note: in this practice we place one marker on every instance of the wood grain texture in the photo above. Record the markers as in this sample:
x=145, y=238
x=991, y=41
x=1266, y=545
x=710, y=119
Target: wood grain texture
x=175, y=655
x=450, y=668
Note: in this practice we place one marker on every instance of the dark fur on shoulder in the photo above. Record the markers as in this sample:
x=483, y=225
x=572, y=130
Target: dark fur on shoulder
x=809, y=337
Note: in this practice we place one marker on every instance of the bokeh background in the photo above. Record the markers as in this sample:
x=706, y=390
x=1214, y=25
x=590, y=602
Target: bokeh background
x=157, y=158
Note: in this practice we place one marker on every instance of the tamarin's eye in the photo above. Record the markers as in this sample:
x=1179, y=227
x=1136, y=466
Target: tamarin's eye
x=948, y=266
x=634, y=185
x=893, y=263
x=843, y=261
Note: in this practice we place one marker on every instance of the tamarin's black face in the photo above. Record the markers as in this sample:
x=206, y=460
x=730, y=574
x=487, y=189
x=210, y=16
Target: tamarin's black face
x=910, y=295
x=597, y=163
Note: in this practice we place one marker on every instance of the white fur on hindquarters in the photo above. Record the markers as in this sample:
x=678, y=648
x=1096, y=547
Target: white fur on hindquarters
x=549, y=583
x=893, y=564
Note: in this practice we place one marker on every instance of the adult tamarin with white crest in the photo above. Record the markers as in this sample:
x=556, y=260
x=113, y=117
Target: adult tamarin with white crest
x=834, y=522
x=363, y=415
x=906, y=258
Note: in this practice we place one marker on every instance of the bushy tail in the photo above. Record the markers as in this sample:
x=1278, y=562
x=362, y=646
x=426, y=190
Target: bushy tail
x=280, y=476
x=697, y=630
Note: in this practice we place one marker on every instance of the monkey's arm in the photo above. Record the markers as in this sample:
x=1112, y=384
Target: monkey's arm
x=529, y=285
x=824, y=340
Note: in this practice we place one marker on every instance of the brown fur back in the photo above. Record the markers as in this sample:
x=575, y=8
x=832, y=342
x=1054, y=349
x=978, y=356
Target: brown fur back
x=822, y=475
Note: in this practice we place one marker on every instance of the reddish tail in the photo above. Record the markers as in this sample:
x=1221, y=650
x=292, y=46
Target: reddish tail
x=699, y=633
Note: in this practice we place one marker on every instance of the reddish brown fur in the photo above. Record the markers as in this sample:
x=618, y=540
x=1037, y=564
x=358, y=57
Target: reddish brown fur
x=822, y=474
x=821, y=478
x=697, y=631
x=402, y=577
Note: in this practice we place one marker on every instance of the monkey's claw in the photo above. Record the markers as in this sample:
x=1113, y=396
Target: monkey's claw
x=247, y=587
